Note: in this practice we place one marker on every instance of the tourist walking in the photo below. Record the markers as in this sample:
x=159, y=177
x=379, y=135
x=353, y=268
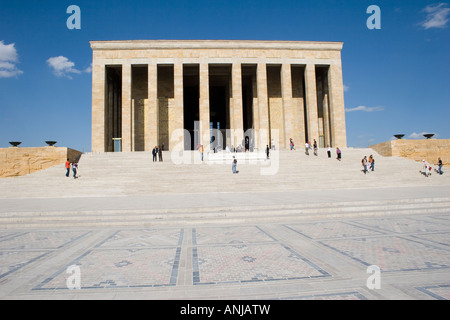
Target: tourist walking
x=291, y=144
x=440, y=166
x=328, y=151
x=426, y=168
x=267, y=152
x=307, y=148
x=338, y=153
x=371, y=163
x=364, y=164
x=234, y=166
x=67, y=168
x=154, y=153
x=74, y=169
x=315, y=147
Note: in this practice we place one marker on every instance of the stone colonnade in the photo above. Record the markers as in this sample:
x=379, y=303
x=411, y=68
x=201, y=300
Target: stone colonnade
x=146, y=93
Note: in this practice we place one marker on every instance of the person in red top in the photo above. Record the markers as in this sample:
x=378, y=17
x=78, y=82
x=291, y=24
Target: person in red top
x=67, y=167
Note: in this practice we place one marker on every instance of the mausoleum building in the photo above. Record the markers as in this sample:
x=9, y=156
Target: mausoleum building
x=179, y=94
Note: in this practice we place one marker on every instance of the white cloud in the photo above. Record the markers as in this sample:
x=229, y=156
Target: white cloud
x=346, y=88
x=8, y=60
x=88, y=69
x=365, y=109
x=437, y=16
x=62, y=67
x=416, y=135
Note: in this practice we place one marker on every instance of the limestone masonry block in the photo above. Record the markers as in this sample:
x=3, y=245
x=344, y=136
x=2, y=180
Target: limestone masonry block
x=22, y=161
x=418, y=150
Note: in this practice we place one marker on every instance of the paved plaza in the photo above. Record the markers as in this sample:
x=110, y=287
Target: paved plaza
x=327, y=258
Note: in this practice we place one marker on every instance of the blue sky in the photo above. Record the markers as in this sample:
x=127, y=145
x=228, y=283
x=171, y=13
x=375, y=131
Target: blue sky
x=396, y=77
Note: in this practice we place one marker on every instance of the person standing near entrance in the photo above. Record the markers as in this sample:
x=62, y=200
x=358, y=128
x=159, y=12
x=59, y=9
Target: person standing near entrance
x=200, y=149
x=329, y=151
x=160, y=154
x=67, y=167
x=315, y=147
x=267, y=151
x=154, y=152
x=338, y=153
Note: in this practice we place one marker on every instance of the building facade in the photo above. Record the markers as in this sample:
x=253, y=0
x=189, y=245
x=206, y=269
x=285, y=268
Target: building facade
x=179, y=94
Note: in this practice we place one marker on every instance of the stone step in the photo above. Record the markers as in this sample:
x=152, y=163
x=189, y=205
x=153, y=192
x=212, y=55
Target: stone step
x=112, y=174
x=254, y=214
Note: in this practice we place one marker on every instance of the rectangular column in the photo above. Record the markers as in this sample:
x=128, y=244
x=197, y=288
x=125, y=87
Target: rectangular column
x=255, y=109
x=204, y=117
x=98, y=108
x=176, y=121
x=298, y=102
x=236, y=113
x=326, y=115
x=289, y=112
x=311, y=103
x=126, y=109
x=151, y=110
x=337, y=107
x=263, y=107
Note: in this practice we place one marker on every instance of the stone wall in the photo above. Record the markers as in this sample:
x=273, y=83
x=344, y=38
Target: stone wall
x=21, y=161
x=418, y=150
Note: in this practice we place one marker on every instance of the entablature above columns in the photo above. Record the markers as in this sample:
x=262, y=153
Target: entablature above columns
x=218, y=61
x=215, y=44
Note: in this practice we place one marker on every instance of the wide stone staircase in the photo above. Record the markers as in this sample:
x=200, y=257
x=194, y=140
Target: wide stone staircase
x=183, y=190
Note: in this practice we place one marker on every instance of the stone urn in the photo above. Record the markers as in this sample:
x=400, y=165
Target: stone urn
x=428, y=135
x=51, y=143
x=15, y=143
x=399, y=136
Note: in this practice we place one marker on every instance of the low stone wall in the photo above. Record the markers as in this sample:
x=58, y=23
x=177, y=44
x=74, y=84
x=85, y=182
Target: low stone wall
x=16, y=161
x=428, y=149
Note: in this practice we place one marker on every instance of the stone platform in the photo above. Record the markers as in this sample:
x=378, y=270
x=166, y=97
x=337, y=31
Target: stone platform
x=313, y=230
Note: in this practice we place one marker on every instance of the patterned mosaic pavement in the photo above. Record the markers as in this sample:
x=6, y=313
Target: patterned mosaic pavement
x=246, y=254
x=292, y=261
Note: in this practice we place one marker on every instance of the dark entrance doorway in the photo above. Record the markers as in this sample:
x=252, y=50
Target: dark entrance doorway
x=219, y=104
x=191, y=96
x=113, y=106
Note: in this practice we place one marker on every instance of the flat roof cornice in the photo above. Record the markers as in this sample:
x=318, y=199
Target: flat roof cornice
x=214, y=44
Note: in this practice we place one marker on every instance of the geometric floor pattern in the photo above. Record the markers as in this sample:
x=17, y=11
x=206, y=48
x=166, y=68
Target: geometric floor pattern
x=441, y=292
x=20, y=249
x=126, y=259
x=150, y=257
x=246, y=254
x=385, y=243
